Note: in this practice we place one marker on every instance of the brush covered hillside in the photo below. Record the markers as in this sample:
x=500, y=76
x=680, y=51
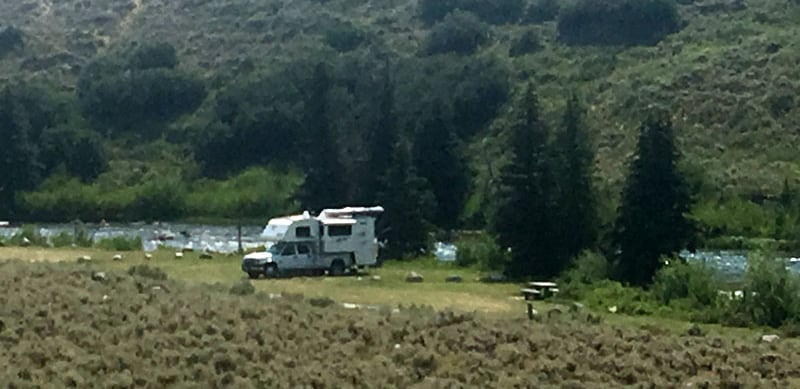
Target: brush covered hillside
x=237, y=77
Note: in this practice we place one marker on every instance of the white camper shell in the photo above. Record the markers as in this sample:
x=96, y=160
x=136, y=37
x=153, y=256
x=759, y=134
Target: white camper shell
x=334, y=241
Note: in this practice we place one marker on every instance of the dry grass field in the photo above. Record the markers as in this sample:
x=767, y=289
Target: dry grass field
x=65, y=325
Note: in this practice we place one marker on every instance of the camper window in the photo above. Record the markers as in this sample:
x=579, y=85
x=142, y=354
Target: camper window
x=302, y=232
x=340, y=230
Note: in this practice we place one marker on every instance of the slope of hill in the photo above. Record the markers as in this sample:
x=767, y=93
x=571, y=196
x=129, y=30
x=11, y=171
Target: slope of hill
x=729, y=75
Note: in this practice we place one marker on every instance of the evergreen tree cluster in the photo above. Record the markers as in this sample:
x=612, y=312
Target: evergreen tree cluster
x=546, y=211
x=546, y=206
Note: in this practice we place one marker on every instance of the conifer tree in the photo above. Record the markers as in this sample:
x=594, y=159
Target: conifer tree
x=577, y=213
x=407, y=203
x=522, y=222
x=323, y=186
x=19, y=163
x=382, y=138
x=438, y=159
x=652, y=221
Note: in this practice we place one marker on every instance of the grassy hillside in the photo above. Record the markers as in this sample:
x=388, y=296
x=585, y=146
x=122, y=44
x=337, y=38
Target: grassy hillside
x=728, y=75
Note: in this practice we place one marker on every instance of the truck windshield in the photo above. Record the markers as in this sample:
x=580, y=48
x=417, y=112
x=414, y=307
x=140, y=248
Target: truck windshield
x=277, y=248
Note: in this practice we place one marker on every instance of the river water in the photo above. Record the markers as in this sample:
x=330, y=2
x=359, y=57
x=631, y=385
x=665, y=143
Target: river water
x=223, y=239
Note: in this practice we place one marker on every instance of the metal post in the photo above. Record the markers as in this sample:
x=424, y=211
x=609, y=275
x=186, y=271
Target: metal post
x=239, y=237
x=530, y=311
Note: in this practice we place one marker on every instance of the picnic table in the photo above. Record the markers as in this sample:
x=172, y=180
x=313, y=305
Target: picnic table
x=537, y=289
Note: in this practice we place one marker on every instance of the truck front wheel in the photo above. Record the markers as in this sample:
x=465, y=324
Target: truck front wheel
x=271, y=271
x=337, y=268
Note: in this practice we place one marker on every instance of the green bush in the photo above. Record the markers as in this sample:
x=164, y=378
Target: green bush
x=118, y=97
x=120, y=243
x=481, y=251
x=542, y=11
x=587, y=269
x=693, y=282
x=621, y=22
x=153, y=56
x=344, y=36
x=529, y=42
x=490, y=11
x=771, y=293
x=459, y=32
x=63, y=239
x=605, y=295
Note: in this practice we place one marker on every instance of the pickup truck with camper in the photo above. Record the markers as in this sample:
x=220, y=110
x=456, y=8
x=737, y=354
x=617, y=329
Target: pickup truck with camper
x=334, y=242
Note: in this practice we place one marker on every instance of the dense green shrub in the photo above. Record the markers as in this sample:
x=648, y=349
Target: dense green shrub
x=153, y=55
x=344, y=36
x=137, y=91
x=490, y=11
x=459, y=32
x=256, y=192
x=693, y=282
x=771, y=295
x=613, y=296
x=587, y=269
x=482, y=251
x=79, y=153
x=159, y=199
x=527, y=43
x=253, y=193
x=617, y=22
x=542, y=11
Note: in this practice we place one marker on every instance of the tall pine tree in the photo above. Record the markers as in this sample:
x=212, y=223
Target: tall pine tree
x=577, y=213
x=381, y=139
x=323, y=186
x=407, y=203
x=438, y=158
x=522, y=221
x=652, y=221
x=19, y=163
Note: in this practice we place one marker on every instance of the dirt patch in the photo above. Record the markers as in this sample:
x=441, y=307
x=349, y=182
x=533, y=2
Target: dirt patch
x=62, y=328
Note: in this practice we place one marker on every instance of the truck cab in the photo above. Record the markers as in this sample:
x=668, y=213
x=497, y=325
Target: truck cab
x=335, y=241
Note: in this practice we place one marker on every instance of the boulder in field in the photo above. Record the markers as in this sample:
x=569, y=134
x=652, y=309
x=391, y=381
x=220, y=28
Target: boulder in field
x=453, y=278
x=414, y=277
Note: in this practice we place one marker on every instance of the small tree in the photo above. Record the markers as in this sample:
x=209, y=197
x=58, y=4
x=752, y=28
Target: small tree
x=652, y=222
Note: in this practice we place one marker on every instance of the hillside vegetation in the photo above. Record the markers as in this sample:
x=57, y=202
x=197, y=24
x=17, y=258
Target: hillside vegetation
x=183, y=95
x=728, y=75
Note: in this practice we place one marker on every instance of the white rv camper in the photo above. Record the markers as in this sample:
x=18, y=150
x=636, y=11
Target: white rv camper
x=335, y=241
